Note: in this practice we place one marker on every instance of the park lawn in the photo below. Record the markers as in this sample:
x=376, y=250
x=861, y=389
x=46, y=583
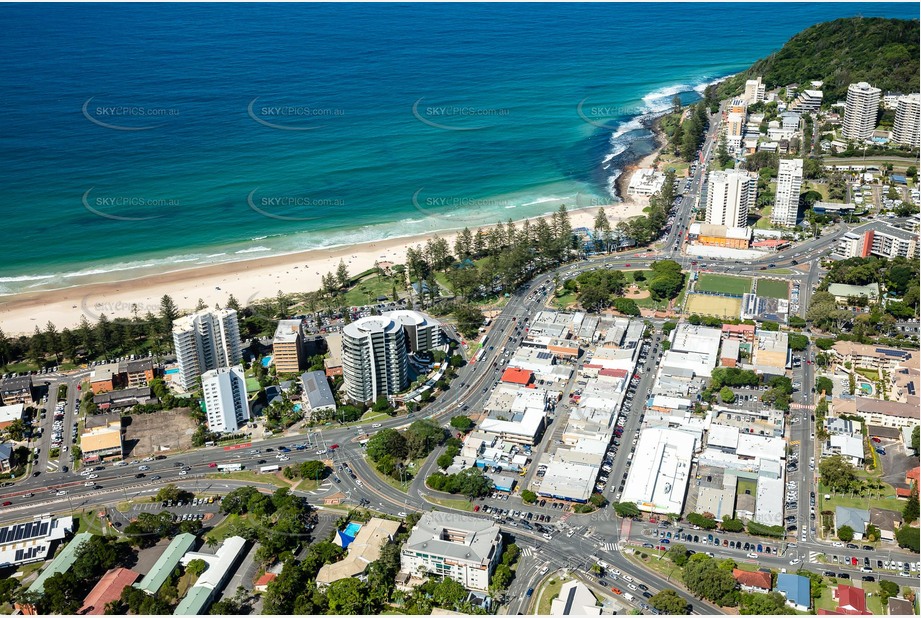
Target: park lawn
x=366, y=291
x=665, y=567
x=548, y=592
x=773, y=288
x=222, y=530
x=868, y=373
x=567, y=299
x=724, y=284
x=887, y=501
x=399, y=486
x=461, y=504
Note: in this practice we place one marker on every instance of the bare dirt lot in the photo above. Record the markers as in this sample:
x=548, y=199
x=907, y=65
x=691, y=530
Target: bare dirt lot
x=160, y=432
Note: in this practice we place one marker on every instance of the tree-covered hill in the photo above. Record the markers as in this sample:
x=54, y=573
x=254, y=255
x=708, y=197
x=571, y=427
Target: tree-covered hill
x=883, y=52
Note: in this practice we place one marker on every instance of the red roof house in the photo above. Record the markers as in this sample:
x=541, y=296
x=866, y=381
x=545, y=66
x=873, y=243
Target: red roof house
x=758, y=581
x=262, y=584
x=107, y=590
x=514, y=375
x=902, y=492
x=851, y=601
x=911, y=477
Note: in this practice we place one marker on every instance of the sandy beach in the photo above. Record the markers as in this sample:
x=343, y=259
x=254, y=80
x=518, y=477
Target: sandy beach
x=247, y=281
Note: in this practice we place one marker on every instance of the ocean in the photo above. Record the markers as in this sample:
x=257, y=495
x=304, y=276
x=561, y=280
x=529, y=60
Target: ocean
x=149, y=137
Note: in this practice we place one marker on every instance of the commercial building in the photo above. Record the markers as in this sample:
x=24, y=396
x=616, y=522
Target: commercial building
x=166, y=563
x=575, y=599
x=374, y=358
x=332, y=364
x=693, y=349
x=466, y=549
x=102, y=437
x=106, y=378
x=124, y=398
x=288, y=353
x=316, y=393
x=646, y=182
x=860, y=111
x=720, y=235
x=754, y=91
x=205, y=340
x=907, y=118
x=61, y=563
x=364, y=549
x=848, y=447
x=108, y=589
x=844, y=292
x=11, y=413
x=770, y=352
x=658, y=480
x=730, y=194
x=786, y=200
x=138, y=373
x=224, y=394
x=17, y=389
x=31, y=541
x=210, y=583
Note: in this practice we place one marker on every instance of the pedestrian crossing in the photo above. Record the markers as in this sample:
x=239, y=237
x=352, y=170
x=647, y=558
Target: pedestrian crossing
x=527, y=551
x=814, y=556
x=609, y=547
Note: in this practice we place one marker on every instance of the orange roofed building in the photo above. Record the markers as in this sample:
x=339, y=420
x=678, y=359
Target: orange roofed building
x=514, y=375
x=753, y=581
x=107, y=590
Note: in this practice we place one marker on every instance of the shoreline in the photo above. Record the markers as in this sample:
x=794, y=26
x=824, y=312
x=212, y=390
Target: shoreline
x=247, y=280
x=259, y=278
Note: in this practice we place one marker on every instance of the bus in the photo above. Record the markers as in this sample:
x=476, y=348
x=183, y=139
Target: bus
x=231, y=467
x=478, y=356
x=267, y=469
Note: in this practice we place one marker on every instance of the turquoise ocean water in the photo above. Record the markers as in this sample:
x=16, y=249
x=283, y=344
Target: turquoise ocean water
x=146, y=137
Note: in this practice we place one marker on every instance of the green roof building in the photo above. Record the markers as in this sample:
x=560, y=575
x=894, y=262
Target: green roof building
x=62, y=562
x=166, y=563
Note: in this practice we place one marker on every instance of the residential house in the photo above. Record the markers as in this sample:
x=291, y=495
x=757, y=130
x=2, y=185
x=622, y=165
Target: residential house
x=887, y=521
x=753, y=581
x=857, y=519
x=795, y=588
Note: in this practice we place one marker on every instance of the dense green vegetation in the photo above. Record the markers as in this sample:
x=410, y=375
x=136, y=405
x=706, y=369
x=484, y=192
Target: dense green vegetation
x=883, y=52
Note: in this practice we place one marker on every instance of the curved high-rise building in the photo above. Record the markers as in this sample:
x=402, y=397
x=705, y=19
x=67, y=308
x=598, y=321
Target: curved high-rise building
x=374, y=358
x=860, y=111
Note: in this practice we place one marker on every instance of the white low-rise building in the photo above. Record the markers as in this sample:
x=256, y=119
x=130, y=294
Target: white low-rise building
x=658, y=479
x=646, y=182
x=466, y=549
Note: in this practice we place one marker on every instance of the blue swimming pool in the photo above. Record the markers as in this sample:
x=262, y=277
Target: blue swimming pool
x=266, y=361
x=352, y=529
x=171, y=371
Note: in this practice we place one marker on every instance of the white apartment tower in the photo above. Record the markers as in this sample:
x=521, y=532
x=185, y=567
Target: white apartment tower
x=209, y=339
x=907, y=117
x=754, y=91
x=786, y=200
x=224, y=392
x=860, y=111
x=374, y=358
x=729, y=196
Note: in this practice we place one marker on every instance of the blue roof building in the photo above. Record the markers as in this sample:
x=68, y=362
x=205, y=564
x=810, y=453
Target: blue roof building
x=796, y=590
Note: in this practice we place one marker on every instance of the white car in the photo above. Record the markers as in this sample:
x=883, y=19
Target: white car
x=182, y=473
x=795, y=561
x=752, y=555
x=61, y=493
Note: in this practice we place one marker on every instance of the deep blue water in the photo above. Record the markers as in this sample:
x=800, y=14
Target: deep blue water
x=138, y=136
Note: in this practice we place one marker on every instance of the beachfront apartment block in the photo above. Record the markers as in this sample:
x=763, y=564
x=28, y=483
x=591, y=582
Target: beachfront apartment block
x=423, y=333
x=754, y=91
x=466, y=549
x=807, y=101
x=206, y=340
x=860, y=111
x=646, y=182
x=735, y=131
x=17, y=389
x=881, y=240
x=786, y=200
x=224, y=392
x=907, y=119
x=374, y=358
x=730, y=194
x=288, y=347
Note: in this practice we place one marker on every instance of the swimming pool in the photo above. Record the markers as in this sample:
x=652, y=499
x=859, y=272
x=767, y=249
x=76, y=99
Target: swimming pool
x=352, y=529
x=866, y=387
x=171, y=371
x=266, y=361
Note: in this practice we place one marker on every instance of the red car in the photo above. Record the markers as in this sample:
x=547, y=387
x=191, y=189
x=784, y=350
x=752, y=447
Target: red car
x=476, y=508
x=212, y=465
x=334, y=447
x=877, y=440
x=7, y=503
x=626, y=265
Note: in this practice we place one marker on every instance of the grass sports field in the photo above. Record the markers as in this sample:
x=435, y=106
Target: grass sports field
x=772, y=288
x=718, y=306
x=724, y=284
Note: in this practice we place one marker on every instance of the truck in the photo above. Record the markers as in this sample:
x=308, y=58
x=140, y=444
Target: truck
x=628, y=596
x=232, y=467
x=268, y=469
